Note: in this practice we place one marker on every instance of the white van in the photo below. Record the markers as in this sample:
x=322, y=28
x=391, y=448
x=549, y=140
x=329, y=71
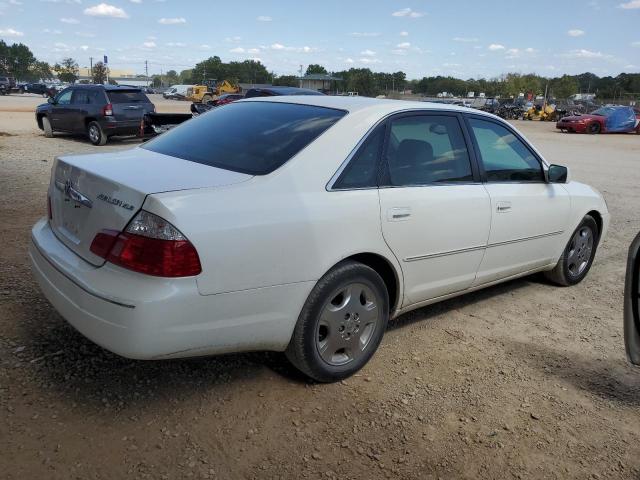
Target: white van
x=176, y=91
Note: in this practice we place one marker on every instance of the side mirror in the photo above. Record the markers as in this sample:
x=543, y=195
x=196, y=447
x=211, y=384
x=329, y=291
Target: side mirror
x=51, y=100
x=557, y=174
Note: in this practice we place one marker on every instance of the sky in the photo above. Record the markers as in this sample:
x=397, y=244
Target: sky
x=422, y=38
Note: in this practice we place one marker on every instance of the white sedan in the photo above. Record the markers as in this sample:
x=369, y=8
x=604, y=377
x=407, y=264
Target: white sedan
x=303, y=224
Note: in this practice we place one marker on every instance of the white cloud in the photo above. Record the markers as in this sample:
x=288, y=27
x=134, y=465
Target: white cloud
x=69, y=20
x=149, y=44
x=204, y=46
x=105, y=10
x=583, y=53
x=465, y=39
x=233, y=39
x=399, y=51
x=365, y=34
x=176, y=44
x=253, y=50
x=172, y=21
x=575, y=32
x=631, y=5
x=513, y=53
x=84, y=48
x=348, y=60
x=135, y=1
x=368, y=53
x=407, y=12
x=10, y=32
x=529, y=50
x=264, y=18
x=15, y=2
x=237, y=50
x=403, y=45
x=280, y=47
x=369, y=60
x=496, y=46
x=404, y=34
x=54, y=32
x=277, y=46
x=635, y=44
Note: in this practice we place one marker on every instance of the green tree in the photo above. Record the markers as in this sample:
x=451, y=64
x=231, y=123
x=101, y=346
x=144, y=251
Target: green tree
x=315, y=68
x=41, y=71
x=99, y=73
x=287, y=81
x=67, y=70
x=563, y=87
x=16, y=60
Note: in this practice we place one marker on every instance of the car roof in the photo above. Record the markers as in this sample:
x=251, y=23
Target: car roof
x=355, y=104
x=287, y=90
x=106, y=87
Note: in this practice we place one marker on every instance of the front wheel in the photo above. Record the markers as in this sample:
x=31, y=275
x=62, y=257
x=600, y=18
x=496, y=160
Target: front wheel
x=594, y=128
x=341, y=324
x=46, y=126
x=95, y=134
x=578, y=255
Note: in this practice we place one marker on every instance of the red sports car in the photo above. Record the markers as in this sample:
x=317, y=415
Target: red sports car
x=603, y=120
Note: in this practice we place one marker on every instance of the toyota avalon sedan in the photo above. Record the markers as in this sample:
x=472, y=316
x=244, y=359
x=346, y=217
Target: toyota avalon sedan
x=303, y=224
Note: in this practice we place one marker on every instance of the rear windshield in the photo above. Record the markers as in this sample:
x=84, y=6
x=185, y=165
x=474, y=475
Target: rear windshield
x=247, y=137
x=127, y=96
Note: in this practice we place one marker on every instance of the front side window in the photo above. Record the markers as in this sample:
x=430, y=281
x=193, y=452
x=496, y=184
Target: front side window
x=362, y=170
x=247, y=137
x=426, y=149
x=64, y=98
x=504, y=157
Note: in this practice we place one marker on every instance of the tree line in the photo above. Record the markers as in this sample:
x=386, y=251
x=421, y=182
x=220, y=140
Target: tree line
x=18, y=61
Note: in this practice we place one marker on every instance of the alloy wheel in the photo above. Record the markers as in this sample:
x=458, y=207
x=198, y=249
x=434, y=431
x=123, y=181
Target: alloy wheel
x=580, y=249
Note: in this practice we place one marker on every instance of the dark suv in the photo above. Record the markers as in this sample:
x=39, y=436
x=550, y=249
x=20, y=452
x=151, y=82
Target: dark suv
x=99, y=111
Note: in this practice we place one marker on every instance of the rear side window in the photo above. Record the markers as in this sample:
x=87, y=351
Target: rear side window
x=427, y=149
x=248, y=137
x=362, y=170
x=504, y=157
x=127, y=96
x=80, y=97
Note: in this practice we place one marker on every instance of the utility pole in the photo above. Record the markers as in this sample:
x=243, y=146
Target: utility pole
x=91, y=68
x=146, y=71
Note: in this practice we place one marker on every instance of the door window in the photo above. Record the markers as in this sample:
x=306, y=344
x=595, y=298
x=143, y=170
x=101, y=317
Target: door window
x=64, y=98
x=362, y=170
x=504, y=156
x=80, y=97
x=426, y=149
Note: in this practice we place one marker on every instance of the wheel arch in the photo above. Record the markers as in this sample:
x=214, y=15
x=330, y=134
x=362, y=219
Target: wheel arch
x=597, y=216
x=39, y=117
x=387, y=270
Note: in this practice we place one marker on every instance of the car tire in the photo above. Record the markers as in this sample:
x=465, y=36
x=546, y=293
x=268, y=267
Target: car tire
x=594, y=128
x=206, y=98
x=46, y=126
x=578, y=255
x=96, y=134
x=341, y=324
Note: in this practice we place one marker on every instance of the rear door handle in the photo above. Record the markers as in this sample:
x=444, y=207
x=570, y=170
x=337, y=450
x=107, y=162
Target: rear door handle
x=502, y=207
x=398, y=214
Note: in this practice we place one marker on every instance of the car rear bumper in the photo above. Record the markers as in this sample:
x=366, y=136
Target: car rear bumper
x=121, y=127
x=144, y=317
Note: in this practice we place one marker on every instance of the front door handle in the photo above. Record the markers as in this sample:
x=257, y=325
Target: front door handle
x=502, y=207
x=398, y=214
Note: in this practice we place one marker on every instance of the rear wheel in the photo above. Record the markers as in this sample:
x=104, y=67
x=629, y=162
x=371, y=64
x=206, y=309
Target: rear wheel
x=341, y=323
x=95, y=134
x=46, y=126
x=206, y=98
x=577, y=258
x=594, y=128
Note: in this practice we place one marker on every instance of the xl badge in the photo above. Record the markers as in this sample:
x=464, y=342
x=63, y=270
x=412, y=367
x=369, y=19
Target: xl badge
x=115, y=201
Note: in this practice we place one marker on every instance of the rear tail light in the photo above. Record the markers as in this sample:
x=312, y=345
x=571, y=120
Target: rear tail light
x=149, y=245
x=107, y=110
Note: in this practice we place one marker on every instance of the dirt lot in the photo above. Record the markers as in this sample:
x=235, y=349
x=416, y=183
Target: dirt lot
x=523, y=380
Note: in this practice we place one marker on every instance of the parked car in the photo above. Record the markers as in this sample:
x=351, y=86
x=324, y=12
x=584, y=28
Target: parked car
x=303, y=224
x=37, y=88
x=6, y=85
x=632, y=303
x=99, y=111
x=606, y=119
x=227, y=98
x=277, y=91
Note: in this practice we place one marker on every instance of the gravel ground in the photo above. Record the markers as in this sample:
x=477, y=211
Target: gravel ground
x=522, y=380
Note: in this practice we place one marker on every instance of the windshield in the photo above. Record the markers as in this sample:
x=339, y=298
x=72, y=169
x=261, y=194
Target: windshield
x=247, y=137
x=603, y=112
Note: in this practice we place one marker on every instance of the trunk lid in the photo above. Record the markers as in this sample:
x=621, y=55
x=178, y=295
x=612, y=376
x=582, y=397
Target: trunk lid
x=129, y=105
x=104, y=191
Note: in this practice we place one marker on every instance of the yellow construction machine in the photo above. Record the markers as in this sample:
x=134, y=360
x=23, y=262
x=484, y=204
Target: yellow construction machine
x=211, y=90
x=544, y=113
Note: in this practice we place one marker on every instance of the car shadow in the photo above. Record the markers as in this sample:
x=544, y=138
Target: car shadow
x=65, y=361
x=611, y=379
x=125, y=140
